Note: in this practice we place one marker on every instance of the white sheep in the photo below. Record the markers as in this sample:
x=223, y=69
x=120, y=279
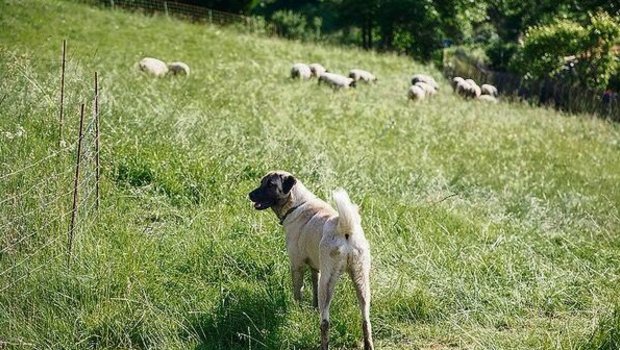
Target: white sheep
x=317, y=69
x=488, y=89
x=362, y=75
x=456, y=81
x=463, y=88
x=487, y=98
x=178, y=68
x=336, y=81
x=429, y=90
x=474, y=91
x=424, y=78
x=416, y=93
x=301, y=71
x=153, y=66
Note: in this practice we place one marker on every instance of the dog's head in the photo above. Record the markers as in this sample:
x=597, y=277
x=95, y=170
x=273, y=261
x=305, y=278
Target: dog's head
x=274, y=189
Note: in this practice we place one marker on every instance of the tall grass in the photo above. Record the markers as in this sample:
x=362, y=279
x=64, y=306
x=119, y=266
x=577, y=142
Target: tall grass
x=525, y=255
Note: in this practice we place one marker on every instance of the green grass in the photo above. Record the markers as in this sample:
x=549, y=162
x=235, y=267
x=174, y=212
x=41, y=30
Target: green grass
x=525, y=256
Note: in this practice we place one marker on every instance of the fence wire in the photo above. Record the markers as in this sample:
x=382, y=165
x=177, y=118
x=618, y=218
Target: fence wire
x=180, y=10
x=36, y=208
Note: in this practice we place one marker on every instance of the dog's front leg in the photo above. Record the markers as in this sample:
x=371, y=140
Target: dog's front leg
x=315, y=288
x=298, y=281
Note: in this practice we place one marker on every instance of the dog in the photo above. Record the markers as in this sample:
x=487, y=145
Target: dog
x=330, y=242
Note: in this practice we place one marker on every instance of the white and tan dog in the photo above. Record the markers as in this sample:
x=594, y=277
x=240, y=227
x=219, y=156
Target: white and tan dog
x=330, y=242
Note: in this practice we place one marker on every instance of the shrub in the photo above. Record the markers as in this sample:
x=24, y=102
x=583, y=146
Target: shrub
x=564, y=45
x=294, y=25
x=544, y=48
x=500, y=54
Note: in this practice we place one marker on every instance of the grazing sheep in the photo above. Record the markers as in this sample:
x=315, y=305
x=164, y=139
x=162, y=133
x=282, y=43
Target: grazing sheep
x=488, y=89
x=429, y=90
x=456, y=81
x=424, y=78
x=362, y=75
x=317, y=69
x=487, y=98
x=178, y=68
x=336, y=81
x=474, y=91
x=301, y=71
x=463, y=88
x=416, y=93
x=153, y=66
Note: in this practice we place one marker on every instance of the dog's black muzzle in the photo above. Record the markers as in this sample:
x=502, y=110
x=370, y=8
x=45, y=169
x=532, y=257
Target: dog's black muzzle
x=261, y=201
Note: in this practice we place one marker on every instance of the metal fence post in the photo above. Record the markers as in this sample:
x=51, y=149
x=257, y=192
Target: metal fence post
x=74, y=211
x=62, y=93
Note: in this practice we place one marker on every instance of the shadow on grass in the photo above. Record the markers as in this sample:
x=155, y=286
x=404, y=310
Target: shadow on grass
x=247, y=316
x=606, y=336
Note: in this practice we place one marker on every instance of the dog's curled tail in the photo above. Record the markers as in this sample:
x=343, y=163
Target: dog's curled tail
x=349, y=219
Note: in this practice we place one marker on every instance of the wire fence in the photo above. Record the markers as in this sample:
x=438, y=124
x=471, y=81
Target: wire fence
x=36, y=206
x=550, y=92
x=184, y=11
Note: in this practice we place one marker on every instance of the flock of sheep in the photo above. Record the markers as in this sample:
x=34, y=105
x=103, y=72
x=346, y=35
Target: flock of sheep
x=422, y=85
x=337, y=81
x=159, y=68
x=469, y=89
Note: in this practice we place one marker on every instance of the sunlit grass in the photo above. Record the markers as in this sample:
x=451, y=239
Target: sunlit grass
x=491, y=226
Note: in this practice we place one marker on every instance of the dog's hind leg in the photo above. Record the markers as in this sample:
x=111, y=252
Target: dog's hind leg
x=315, y=288
x=330, y=272
x=298, y=281
x=360, y=275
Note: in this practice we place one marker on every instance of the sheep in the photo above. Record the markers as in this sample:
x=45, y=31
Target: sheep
x=455, y=82
x=153, y=66
x=317, y=69
x=178, y=68
x=362, y=75
x=463, y=88
x=416, y=93
x=428, y=89
x=424, y=78
x=487, y=98
x=301, y=71
x=337, y=81
x=474, y=91
x=488, y=89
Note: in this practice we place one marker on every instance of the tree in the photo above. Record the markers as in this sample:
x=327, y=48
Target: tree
x=588, y=49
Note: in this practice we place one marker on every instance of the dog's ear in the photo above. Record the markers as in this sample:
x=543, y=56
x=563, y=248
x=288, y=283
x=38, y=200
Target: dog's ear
x=288, y=183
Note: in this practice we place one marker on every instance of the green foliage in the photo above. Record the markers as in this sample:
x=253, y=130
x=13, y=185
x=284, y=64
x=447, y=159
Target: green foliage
x=292, y=25
x=500, y=54
x=548, y=49
x=545, y=47
x=600, y=62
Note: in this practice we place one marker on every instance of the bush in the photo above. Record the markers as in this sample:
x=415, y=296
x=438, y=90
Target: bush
x=554, y=49
x=544, y=48
x=500, y=54
x=292, y=25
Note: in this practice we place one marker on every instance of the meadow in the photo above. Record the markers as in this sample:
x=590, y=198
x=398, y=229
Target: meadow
x=491, y=226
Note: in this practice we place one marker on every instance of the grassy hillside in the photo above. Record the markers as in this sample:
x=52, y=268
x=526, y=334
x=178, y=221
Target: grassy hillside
x=525, y=255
